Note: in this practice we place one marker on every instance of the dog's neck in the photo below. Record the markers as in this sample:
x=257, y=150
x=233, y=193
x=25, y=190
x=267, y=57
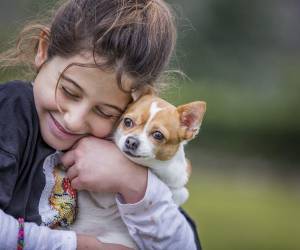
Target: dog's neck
x=172, y=172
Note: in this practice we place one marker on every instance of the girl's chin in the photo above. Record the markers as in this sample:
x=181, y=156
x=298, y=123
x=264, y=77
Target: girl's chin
x=58, y=144
x=60, y=147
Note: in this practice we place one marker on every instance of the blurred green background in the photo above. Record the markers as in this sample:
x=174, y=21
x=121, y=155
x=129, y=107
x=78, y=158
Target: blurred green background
x=243, y=59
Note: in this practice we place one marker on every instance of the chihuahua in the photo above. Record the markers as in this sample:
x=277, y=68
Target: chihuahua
x=153, y=133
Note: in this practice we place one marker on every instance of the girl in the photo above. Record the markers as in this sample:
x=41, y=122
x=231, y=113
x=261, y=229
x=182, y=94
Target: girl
x=88, y=59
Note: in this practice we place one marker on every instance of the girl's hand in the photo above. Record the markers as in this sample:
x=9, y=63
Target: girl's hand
x=98, y=165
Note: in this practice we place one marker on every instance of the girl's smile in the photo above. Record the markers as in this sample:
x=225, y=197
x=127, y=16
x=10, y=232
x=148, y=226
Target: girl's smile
x=59, y=131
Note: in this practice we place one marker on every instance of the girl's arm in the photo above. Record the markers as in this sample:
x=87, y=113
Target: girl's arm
x=145, y=202
x=36, y=237
x=41, y=237
x=156, y=220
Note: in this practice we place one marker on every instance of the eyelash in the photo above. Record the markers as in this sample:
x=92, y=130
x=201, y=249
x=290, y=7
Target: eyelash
x=68, y=93
x=102, y=114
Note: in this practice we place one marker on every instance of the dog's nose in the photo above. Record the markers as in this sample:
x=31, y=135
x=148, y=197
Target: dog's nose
x=132, y=143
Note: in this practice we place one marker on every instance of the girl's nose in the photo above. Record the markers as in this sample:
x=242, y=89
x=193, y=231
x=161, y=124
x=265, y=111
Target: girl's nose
x=75, y=119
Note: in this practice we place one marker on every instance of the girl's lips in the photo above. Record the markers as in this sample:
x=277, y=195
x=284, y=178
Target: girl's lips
x=60, y=131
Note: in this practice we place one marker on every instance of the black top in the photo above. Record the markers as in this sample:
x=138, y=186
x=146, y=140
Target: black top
x=22, y=152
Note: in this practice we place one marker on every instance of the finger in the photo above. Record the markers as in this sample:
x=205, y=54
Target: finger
x=68, y=159
x=75, y=145
x=72, y=172
x=75, y=183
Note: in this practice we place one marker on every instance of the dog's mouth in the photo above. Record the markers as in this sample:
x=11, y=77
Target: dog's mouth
x=129, y=153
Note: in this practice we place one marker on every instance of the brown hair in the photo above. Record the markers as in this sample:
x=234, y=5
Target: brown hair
x=136, y=37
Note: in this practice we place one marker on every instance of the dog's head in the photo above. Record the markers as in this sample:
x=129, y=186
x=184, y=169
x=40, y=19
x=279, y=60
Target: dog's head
x=152, y=128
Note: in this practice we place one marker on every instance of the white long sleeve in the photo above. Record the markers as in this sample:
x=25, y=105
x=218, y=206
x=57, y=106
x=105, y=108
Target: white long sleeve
x=36, y=237
x=155, y=222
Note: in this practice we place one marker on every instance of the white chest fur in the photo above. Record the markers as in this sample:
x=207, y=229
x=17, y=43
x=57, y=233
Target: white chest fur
x=172, y=172
x=98, y=215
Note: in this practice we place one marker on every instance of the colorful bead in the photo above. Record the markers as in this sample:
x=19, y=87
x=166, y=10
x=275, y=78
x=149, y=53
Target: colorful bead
x=20, y=245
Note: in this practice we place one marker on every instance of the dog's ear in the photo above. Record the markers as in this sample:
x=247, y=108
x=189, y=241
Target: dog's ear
x=191, y=116
x=144, y=90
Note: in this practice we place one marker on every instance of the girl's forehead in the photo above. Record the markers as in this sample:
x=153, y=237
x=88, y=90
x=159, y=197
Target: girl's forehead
x=85, y=62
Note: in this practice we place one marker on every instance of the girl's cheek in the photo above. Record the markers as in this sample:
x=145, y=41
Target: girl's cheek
x=103, y=128
x=61, y=102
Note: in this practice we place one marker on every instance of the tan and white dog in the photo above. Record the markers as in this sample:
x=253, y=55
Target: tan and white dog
x=152, y=133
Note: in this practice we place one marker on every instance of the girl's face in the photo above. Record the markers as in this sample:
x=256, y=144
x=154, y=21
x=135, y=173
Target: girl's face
x=87, y=101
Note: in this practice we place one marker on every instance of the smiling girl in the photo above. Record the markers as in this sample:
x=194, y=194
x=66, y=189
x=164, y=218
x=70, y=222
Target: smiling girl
x=88, y=59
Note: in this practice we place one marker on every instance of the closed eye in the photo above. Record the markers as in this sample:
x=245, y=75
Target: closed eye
x=105, y=114
x=69, y=93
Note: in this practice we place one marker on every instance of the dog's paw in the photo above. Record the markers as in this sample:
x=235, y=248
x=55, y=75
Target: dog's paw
x=180, y=195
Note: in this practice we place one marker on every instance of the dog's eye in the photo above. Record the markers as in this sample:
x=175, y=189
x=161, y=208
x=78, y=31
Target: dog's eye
x=128, y=123
x=157, y=135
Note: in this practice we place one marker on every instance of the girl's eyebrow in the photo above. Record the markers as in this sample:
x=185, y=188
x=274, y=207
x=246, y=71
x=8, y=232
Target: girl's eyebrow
x=78, y=86
x=71, y=81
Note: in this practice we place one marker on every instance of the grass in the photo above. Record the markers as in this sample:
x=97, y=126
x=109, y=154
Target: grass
x=244, y=214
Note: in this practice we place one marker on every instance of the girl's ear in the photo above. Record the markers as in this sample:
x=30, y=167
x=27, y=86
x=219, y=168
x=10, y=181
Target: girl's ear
x=145, y=90
x=42, y=52
x=191, y=116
